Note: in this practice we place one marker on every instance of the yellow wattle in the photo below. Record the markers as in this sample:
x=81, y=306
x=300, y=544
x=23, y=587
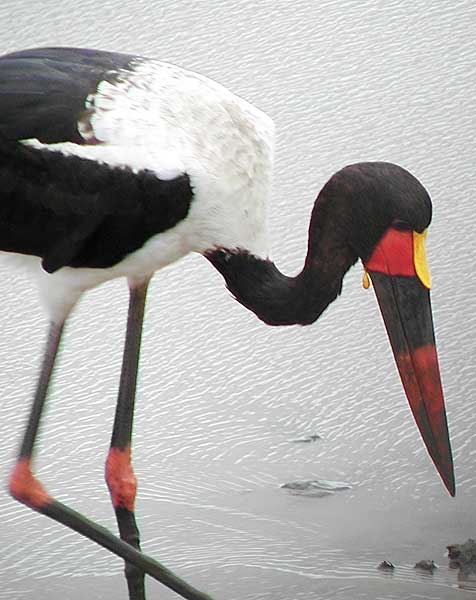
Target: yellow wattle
x=365, y=280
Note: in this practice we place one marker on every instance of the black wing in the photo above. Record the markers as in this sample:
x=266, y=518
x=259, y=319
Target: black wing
x=72, y=211
x=43, y=91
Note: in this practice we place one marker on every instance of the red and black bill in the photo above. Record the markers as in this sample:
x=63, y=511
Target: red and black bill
x=400, y=283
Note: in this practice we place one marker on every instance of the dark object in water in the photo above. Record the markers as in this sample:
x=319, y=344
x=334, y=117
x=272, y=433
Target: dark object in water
x=307, y=439
x=386, y=565
x=463, y=557
x=460, y=554
x=426, y=565
x=316, y=488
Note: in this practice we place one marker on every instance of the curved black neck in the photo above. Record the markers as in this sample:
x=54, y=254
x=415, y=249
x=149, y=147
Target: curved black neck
x=276, y=298
x=349, y=217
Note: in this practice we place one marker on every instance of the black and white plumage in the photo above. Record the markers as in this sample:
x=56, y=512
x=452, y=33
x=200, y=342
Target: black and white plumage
x=78, y=213
x=108, y=136
x=113, y=165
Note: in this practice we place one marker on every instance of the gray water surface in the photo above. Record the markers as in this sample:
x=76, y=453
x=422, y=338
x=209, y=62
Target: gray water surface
x=223, y=397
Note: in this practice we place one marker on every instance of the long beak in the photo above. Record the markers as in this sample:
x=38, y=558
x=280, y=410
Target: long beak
x=398, y=272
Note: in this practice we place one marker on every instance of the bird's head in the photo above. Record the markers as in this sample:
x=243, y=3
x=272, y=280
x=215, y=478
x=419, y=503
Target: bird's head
x=380, y=213
x=362, y=201
x=392, y=220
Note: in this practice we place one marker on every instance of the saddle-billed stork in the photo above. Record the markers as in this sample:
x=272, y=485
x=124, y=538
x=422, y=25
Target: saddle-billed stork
x=113, y=165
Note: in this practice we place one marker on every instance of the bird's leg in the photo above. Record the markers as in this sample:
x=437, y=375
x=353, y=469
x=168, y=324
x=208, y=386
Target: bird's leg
x=120, y=477
x=25, y=488
x=21, y=474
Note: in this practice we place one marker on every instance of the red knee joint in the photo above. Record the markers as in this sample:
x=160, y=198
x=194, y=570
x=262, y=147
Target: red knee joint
x=24, y=486
x=120, y=478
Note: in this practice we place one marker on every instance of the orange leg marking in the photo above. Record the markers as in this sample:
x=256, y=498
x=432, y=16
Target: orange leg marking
x=24, y=486
x=120, y=478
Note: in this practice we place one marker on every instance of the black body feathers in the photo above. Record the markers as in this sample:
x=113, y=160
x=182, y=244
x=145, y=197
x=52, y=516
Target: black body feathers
x=75, y=212
x=72, y=211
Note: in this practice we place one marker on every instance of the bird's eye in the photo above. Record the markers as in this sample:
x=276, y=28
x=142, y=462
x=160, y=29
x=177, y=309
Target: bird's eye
x=401, y=225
